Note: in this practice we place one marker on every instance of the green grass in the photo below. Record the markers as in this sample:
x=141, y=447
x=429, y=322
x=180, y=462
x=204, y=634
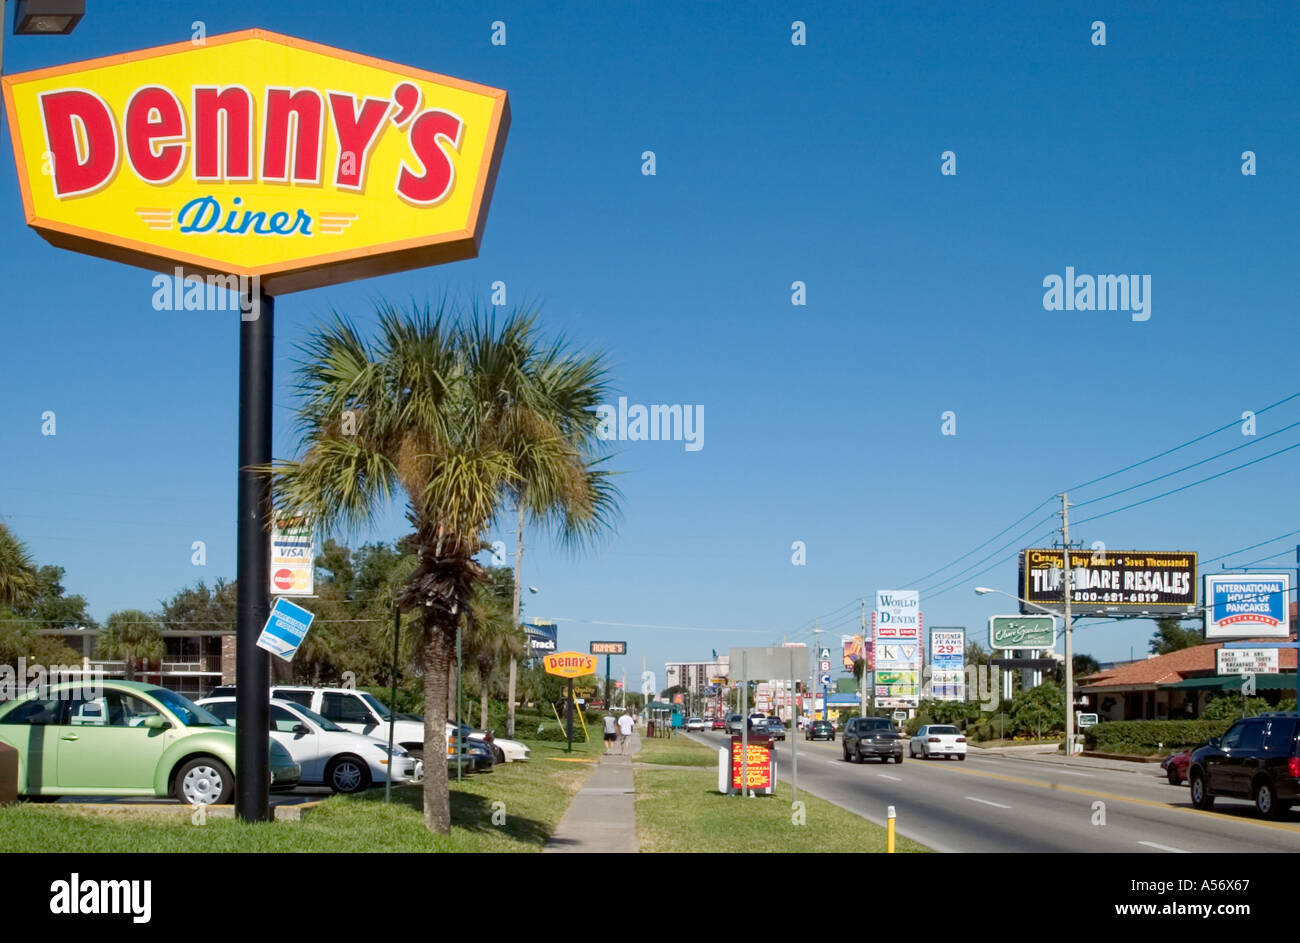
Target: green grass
x=682, y=811
x=676, y=751
x=536, y=795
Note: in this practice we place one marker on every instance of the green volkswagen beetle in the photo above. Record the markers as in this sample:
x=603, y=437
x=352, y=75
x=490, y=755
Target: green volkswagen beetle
x=125, y=738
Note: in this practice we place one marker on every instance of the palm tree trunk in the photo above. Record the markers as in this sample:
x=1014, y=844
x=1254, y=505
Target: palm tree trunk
x=438, y=655
x=519, y=556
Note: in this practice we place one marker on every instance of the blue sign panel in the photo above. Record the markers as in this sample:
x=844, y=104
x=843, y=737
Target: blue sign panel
x=1247, y=605
x=542, y=638
x=285, y=629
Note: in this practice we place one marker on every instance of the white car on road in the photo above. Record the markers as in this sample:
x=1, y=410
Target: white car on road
x=696, y=723
x=329, y=755
x=938, y=740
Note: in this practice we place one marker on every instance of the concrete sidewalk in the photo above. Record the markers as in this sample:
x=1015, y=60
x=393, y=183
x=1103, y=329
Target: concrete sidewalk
x=602, y=816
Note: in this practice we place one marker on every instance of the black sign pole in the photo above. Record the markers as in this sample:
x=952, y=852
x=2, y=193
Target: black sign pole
x=568, y=720
x=253, y=563
x=607, y=697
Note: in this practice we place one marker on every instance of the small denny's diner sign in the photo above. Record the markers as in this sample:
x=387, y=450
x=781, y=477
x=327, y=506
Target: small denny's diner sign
x=257, y=154
x=570, y=664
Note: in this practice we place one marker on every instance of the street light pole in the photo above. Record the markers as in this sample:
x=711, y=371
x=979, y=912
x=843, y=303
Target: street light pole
x=1069, y=654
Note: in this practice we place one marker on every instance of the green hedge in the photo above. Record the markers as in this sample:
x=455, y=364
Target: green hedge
x=1150, y=736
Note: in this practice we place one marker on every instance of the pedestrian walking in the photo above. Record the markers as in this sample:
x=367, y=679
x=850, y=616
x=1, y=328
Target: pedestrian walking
x=611, y=733
x=625, y=727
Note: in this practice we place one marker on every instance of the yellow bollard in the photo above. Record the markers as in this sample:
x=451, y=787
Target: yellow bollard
x=889, y=842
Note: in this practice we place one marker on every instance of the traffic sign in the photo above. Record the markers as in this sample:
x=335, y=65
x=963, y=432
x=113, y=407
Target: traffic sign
x=825, y=680
x=824, y=654
x=824, y=665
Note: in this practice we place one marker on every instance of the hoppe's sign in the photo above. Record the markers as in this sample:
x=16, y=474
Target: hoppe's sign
x=257, y=154
x=1110, y=581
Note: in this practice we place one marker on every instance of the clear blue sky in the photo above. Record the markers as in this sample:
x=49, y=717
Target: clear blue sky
x=775, y=163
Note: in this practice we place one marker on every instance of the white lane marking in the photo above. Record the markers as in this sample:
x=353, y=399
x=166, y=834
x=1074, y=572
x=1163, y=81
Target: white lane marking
x=987, y=802
x=897, y=779
x=1151, y=844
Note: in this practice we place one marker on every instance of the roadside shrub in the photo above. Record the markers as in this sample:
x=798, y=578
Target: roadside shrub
x=1144, y=737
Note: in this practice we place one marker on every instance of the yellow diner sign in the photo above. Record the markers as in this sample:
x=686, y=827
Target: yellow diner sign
x=570, y=664
x=257, y=154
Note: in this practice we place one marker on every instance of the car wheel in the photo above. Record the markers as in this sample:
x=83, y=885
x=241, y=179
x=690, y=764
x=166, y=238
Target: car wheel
x=898, y=758
x=1174, y=778
x=1266, y=803
x=961, y=756
x=1201, y=797
x=347, y=774
x=857, y=752
x=204, y=781
x=846, y=754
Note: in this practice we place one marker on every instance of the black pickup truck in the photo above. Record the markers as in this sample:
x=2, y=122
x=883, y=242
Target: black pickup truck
x=872, y=736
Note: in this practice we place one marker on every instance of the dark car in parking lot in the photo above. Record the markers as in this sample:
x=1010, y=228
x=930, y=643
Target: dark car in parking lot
x=1257, y=759
x=872, y=736
x=819, y=730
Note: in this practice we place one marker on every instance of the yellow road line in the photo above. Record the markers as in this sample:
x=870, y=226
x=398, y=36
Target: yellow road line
x=1150, y=803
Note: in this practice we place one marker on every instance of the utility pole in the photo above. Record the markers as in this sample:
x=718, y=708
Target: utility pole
x=1069, y=653
x=862, y=687
x=817, y=650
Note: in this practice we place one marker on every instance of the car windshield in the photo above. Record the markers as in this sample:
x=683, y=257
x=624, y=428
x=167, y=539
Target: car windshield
x=380, y=709
x=186, y=711
x=323, y=722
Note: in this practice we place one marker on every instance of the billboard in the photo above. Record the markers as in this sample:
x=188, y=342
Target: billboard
x=253, y=154
x=609, y=648
x=853, y=649
x=898, y=614
x=1241, y=605
x=898, y=656
x=754, y=758
x=1110, y=582
x=542, y=637
x=948, y=663
x=1023, y=632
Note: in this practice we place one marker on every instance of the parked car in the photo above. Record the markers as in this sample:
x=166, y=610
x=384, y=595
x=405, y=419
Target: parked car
x=819, y=730
x=718, y=724
x=126, y=738
x=1257, y=759
x=1175, y=765
x=328, y=755
x=734, y=724
x=775, y=728
x=695, y=723
x=871, y=736
x=937, y=740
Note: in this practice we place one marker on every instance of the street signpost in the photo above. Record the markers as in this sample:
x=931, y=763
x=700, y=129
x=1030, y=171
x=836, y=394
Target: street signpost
x=569, y=665
x=285, y=629
x=607, y=649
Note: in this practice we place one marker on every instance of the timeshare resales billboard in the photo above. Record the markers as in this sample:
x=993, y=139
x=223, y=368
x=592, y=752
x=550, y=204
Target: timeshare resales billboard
x=1114, y=582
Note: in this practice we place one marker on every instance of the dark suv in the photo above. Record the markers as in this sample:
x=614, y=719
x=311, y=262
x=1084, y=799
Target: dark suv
x=872, y=736
x=1258, y=758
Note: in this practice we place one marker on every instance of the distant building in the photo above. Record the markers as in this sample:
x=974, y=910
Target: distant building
x=193, y=662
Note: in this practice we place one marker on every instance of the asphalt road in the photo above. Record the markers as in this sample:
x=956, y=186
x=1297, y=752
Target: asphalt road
x=996, y=803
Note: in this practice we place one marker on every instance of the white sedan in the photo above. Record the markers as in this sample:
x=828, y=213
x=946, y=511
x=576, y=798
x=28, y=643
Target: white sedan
x=696, y=723
x=938, y=740
x=329, y=755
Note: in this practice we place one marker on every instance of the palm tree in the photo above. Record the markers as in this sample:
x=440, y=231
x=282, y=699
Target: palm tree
x=132, y=636
x=19, y=583
x=547, y=394
x=414, y=411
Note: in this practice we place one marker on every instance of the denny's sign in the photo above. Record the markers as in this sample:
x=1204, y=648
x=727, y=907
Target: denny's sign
x=569, y=664
x=256, y=154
